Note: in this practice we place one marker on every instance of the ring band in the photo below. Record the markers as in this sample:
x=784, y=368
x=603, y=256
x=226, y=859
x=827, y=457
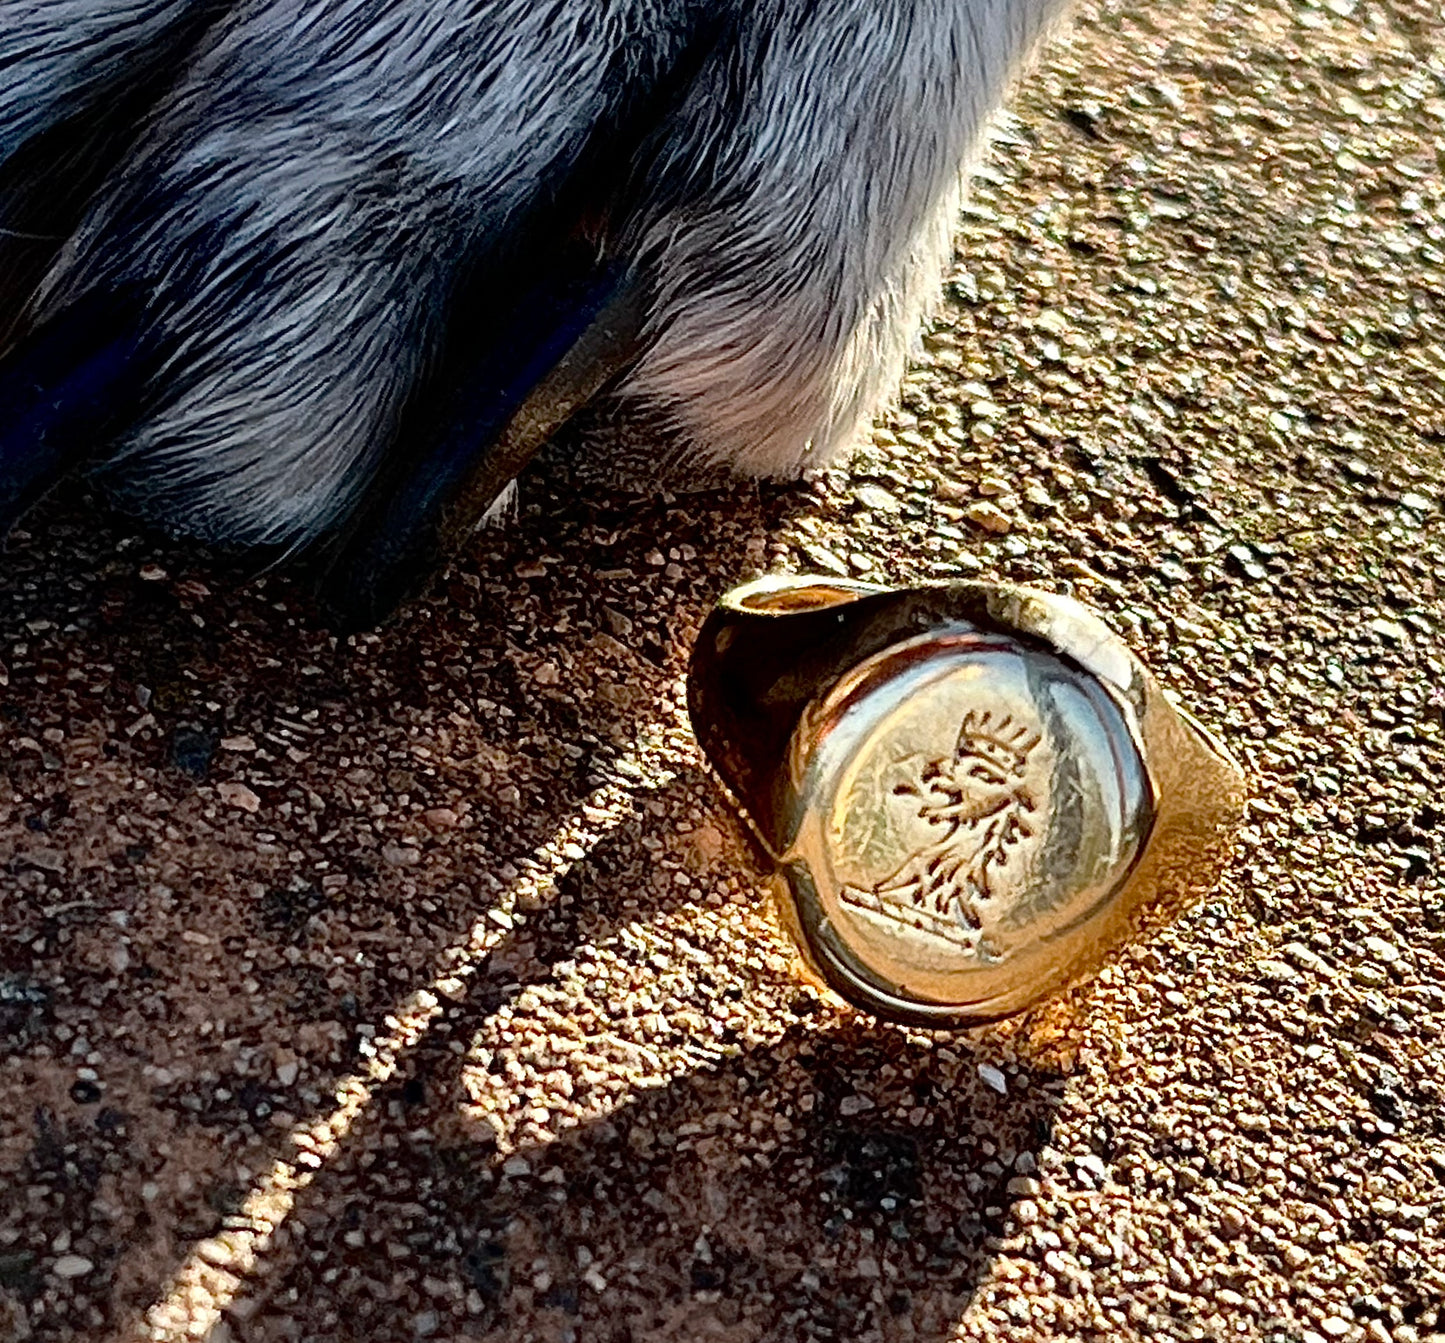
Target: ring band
x=974, y=793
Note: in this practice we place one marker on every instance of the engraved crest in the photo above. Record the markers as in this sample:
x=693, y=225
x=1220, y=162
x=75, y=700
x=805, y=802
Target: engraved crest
x=979, y=806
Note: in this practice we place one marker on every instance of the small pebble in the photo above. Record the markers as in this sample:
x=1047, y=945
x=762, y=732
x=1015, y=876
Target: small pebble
x=989, y=517
x=994, y=1078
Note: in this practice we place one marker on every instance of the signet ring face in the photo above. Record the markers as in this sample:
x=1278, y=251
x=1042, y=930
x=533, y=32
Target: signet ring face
x=974, y=793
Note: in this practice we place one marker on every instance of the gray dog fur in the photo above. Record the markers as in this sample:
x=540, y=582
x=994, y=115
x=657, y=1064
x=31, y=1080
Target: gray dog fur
x=300, y=200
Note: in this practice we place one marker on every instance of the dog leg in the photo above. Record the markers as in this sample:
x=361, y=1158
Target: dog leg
x=801, y=210
x=300, y=214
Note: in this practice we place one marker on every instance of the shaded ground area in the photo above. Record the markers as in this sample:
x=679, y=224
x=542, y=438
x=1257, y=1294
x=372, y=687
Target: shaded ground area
x=415, y=986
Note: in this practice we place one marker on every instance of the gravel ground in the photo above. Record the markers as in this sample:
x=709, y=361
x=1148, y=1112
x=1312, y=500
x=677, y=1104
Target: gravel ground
x=416, y=986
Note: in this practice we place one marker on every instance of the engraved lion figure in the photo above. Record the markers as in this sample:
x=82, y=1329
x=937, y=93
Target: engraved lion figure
x=980, y=806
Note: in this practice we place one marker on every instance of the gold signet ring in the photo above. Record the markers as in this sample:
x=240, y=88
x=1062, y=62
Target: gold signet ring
x=973, y=792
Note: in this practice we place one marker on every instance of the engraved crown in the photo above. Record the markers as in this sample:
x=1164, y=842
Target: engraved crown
x=996, y=739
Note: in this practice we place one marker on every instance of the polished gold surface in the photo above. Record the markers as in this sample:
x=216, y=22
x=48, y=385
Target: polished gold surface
x=973, y=793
